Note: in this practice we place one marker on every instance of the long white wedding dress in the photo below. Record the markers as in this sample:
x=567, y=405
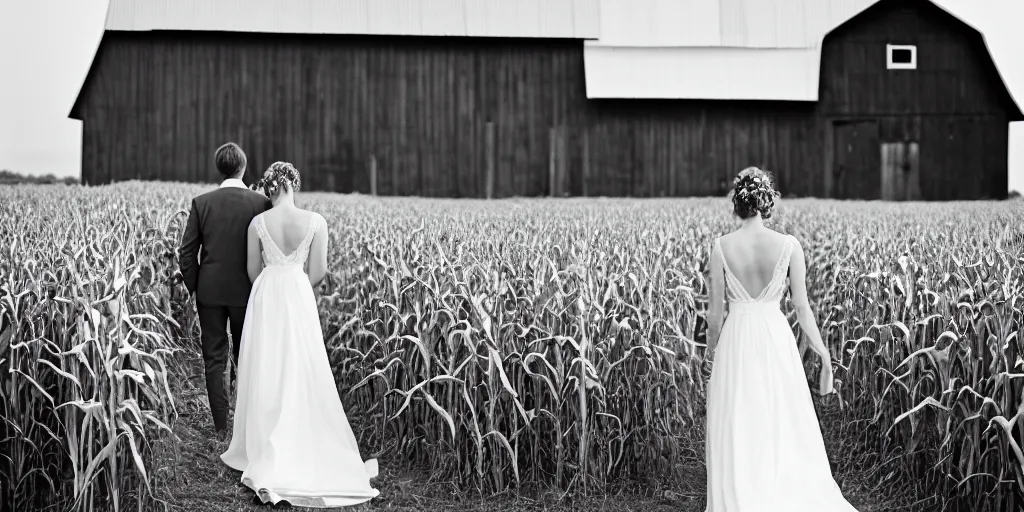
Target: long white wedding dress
x=764, y=447
x=291, y=439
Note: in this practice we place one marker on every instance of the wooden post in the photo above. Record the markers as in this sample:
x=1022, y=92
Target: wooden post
x=489, y=148
x=828, y=132
x=652, y=189
x=552, y=164
x=373, y=175
x=672, y=162
x=393, y=163
x=586, y=160
x=563, y=163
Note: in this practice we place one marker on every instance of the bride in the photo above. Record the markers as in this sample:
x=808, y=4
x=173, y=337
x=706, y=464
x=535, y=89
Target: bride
x=764, y=446
x=291, y=439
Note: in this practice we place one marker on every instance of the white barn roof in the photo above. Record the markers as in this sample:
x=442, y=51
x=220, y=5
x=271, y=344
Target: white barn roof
x=723, y=23
x=577, y=19
x=715, y=49
x=712, y=49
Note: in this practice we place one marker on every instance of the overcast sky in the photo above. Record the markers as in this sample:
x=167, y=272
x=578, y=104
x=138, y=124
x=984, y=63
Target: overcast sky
x=46, y=47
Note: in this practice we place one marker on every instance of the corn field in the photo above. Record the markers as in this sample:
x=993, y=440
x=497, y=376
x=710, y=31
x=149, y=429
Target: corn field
x=514, y=342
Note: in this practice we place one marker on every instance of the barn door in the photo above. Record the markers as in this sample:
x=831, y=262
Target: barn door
x=856, y=160
x=901, y=177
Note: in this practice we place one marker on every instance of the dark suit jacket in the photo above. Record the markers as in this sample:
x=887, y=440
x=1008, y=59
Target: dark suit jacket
x=216, y=232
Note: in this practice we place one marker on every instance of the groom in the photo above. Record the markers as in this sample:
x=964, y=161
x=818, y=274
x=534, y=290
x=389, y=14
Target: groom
x=216, y=234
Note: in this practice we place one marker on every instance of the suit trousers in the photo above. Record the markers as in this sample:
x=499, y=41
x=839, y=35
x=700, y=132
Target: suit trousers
x=213, y=322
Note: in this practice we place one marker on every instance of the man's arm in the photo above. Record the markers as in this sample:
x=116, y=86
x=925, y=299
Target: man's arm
x=188, y=251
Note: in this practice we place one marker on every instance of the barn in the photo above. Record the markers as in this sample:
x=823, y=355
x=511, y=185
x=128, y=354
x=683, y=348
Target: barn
x=853, y=99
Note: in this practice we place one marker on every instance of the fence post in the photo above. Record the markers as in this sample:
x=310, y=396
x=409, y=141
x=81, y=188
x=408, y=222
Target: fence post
x=586, y=160
x=489, y=148
x=373, y=175
x=393, y=163
x=563, y=162
x=552, y=163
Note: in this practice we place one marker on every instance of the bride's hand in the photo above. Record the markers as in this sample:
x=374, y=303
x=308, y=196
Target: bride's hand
x=825, y=379
x=708, y=361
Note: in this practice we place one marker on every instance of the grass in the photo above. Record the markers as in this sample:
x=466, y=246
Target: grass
x=200, y=482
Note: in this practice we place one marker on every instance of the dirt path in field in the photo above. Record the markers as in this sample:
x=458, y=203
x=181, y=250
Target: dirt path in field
x=202, y=483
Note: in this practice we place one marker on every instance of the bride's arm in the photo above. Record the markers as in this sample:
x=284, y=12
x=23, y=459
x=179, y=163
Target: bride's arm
x=716, y=297
x=253, y=258
x=318, y=254
x=804, y=315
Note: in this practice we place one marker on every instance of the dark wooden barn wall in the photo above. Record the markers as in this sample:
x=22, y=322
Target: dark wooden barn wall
x=157, y=104
x=953, y=105
x=676, y=148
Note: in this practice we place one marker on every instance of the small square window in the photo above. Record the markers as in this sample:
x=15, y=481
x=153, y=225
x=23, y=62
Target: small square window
x=900, y=56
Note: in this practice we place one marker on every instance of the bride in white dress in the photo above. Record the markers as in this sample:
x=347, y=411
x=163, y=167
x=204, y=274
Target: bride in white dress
x=291, y=439
x=764, y=447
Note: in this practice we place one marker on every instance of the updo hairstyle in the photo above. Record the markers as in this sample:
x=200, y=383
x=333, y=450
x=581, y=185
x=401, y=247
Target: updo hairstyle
x=277, y=176
x=753, y=193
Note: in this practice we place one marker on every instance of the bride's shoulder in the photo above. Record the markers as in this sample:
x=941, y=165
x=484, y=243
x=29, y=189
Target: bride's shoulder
x=315, y=217
x=716, y=242
x=725, y=239
x=255, y=220
x=794, y=243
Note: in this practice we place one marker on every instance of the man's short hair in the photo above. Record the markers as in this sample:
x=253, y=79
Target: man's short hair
x=229, y=159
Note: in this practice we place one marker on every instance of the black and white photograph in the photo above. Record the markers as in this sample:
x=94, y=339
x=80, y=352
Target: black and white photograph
x=512, y=255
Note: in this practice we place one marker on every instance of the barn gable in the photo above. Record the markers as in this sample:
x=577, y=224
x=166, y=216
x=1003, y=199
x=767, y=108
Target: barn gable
x=910, y=101
x=952, y=71
x=733, y=57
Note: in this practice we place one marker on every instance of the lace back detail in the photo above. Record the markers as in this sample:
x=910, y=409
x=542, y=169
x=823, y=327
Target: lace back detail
x=272, y=254
x=735, y=292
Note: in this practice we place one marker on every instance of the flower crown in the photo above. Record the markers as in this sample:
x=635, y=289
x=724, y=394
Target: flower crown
x=277, y=175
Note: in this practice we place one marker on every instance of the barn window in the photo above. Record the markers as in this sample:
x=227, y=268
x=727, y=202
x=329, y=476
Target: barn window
x=901, y=56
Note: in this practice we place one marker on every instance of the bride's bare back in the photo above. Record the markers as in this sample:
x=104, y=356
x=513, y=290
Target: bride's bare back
x=287, y=227
x=752, y=257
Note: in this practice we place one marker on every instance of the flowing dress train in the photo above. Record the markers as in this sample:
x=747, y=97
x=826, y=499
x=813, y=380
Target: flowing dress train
x=291, y=438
